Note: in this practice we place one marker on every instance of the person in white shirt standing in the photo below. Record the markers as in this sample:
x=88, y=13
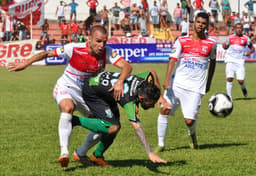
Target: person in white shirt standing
x=235, y=58
x=195, y=59
x=184, y=27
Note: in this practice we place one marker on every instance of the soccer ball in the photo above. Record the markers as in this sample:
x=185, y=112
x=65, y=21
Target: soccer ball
x=220, y=105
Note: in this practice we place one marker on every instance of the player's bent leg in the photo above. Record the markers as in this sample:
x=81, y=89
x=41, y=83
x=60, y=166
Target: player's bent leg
x=105, y=143
x=243, y=87
x=229, y=86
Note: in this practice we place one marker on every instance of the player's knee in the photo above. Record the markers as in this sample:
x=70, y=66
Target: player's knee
x=229, y=79
x=240, y=81
x=189, y=122
x=114, y=129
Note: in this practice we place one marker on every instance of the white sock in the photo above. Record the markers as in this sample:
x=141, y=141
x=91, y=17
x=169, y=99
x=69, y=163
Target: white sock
x=229, y=86
x=90, y=141
x=162, y=124
x=192, y=128
x=65, y=130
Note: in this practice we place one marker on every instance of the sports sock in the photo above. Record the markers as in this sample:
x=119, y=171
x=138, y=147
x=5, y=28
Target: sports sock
x=192, y=128
x=229, y=86
x=162, y=124
x=90, y=141
x=106, y=141
x=65, y=130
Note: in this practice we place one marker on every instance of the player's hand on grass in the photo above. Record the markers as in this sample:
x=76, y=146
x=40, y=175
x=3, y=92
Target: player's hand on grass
x=156, y=159
x=118, y=90
x=12, y=66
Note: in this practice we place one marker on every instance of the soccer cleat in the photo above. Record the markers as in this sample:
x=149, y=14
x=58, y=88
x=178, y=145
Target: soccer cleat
x=244, y=90
x=193, y=141
x=159, y=149
x=63, y=160
x=99, y=161
x=82, y=159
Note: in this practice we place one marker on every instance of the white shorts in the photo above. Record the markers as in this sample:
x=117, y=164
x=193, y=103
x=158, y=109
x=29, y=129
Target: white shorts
x=234, y=68
x=190, y=102
x=61, y=92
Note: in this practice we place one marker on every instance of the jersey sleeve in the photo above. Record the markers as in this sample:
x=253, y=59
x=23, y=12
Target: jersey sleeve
x=66, y=51
x=176, y=50
x=112, y=55
x=130, y=109
x=213, y=51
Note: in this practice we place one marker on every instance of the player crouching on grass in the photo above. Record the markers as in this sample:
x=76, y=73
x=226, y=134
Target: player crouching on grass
x=140, y=89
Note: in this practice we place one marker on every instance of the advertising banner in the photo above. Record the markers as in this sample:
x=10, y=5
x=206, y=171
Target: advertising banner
x=17, y=51
x=157, y=52
x=22, y=10
x=54, y=60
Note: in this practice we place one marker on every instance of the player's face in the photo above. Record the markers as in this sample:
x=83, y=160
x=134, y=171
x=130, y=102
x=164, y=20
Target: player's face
x=200, y=25
x=98, y=42
x=239, y=29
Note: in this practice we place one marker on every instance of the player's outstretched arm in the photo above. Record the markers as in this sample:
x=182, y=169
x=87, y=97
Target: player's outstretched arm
x=141, y=135
x=12, y=66
x=169, y=71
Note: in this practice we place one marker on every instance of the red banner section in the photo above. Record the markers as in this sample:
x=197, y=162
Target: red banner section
x=16, y=51
x=23, y=9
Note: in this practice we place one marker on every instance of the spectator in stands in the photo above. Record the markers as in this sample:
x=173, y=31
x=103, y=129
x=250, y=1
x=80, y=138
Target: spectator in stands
x=190, y=11
x=73, y=6
x=8, y=27
x=88, y=23
x=184, y=5
x=154, y=13
x=127, y=5
x=226, y=10
x=64, y=31
x=104, y=16
x=246, y=21
x=22, y=30
x=116, y=15
x=184, y=27
x=214, y=6
x=1, y=29
x=177, y=14
x=39, y=45
x=44, y=32
x=81, y=37
x=250, y=6
x=134, y=16
x=237, y=19
x=60, y=12
x=164, y=11
x=198, y=4
x=143, y=25
x=145, y=7
x=74, y=29
x=125, y=25
x=92, y=5
x=212, y=30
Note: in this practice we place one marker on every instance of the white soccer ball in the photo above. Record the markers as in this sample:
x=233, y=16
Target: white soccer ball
x=220, y=105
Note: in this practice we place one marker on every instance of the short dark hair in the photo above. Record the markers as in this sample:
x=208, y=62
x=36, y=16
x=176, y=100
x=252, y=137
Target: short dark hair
x=99, y=28
x=203, y=15
x=149, y=91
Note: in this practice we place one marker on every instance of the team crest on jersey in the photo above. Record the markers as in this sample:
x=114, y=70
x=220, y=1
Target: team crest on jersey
x=204, y=49
x=173, y=50
x=61, y=49
x=114, y=54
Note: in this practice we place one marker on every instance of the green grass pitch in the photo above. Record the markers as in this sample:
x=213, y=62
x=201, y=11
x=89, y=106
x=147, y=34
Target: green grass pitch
x=29, y=144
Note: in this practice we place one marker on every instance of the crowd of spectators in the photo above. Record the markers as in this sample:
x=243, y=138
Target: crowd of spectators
x=135, y=20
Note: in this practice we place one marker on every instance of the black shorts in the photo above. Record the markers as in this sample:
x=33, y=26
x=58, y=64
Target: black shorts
x=101, y=103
